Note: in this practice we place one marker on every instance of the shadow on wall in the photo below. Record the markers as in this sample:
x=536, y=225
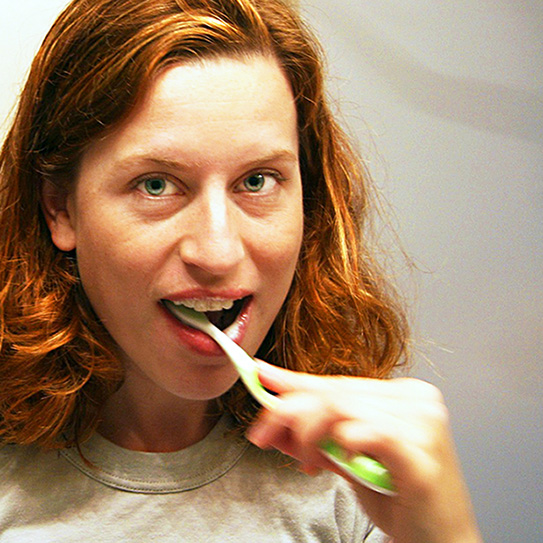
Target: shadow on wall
x=480, y=104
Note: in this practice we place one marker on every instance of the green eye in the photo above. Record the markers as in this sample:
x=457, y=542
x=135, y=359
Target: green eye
x=155, y=186
x=255, y=182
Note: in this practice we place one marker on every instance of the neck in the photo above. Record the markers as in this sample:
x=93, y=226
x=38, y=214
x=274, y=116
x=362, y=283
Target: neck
x=152, y=424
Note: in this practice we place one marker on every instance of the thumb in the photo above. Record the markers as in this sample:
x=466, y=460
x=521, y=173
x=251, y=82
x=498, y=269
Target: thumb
x=281, y=380
x=274, y=378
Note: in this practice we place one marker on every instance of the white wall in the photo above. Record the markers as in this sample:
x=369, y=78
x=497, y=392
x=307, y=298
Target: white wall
x=23, y=25
x=447, y=101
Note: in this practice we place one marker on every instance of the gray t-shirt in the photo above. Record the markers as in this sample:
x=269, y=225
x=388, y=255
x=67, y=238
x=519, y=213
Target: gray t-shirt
x=219, y=490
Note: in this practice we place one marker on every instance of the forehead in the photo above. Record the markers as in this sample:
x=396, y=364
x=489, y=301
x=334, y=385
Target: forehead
x=219, y=106
x=196, y=88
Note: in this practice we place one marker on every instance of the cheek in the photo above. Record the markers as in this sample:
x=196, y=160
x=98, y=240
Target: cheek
x=108, y=238
x=279, y=247
x=281, y=253
x=114, y=260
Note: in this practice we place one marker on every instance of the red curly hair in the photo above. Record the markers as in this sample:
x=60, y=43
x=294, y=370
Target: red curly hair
x=58, y=363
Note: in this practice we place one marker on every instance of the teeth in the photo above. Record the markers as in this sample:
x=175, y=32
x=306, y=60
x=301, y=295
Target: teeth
x=207, y=305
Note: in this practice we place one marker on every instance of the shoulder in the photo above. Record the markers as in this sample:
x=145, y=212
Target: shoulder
x=13, y=457
x=28, y=467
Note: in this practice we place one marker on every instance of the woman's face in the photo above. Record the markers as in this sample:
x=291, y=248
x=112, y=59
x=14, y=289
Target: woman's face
x=196, y=198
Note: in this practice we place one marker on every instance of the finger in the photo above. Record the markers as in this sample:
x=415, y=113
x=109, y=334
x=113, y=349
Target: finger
x=417, y=460
x=281, y=380
x=295, y=426
x=345, y=397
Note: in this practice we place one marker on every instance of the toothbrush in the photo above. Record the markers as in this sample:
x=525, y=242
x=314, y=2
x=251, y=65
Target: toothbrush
x=364, y=469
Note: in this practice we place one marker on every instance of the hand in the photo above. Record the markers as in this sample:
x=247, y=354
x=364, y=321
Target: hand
x=403, y=423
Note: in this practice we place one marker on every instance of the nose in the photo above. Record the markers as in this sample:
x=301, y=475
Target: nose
x=213, y=243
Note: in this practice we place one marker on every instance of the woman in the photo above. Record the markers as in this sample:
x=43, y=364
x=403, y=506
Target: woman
x=183, y=150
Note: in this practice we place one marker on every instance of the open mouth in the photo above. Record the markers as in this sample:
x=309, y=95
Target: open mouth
x=224, y=318
x=221, y=318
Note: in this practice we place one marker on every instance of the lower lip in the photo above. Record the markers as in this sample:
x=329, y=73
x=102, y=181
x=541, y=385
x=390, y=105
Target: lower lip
x=201, y=343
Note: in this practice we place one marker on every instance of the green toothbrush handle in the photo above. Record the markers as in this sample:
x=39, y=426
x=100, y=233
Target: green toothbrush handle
x=364, y=469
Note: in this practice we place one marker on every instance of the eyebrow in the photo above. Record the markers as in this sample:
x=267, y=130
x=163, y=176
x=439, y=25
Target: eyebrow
x=282, y=155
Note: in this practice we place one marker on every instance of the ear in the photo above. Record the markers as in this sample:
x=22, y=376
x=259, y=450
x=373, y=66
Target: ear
x=55, y=206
